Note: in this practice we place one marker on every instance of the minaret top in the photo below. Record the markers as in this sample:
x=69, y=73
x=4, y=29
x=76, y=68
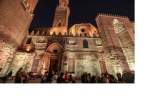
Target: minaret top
x=64, y=3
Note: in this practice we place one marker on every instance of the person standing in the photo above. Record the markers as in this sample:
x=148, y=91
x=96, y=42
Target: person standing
x=18, y=78
x=44, y=78
x=60, y=78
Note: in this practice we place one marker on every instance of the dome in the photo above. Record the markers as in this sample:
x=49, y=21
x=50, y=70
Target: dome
x=83, y=29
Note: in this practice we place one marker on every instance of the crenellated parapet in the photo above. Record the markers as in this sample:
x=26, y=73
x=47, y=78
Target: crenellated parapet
x=111, y=15
x=39, y=32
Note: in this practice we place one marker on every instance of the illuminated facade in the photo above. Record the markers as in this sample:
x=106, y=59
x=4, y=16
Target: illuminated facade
x=109, y=47
x=15, y=19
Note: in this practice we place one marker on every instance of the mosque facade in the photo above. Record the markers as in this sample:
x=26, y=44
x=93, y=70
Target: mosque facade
x=96, y=49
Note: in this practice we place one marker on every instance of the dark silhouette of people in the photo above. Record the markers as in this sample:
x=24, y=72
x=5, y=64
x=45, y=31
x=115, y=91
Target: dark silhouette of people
x=98, y=79
x=119, y=77
x=18, y=78
x=60, y=78
x=68, y=77
x=89, y=78
x=93, y=79
x=25, y=78
x=4, y=78
x=9, y=74
x=65, y=76
x=104, y=78
x=112, y=79
x=128, y=77
x=44, y=78
x=84, y=78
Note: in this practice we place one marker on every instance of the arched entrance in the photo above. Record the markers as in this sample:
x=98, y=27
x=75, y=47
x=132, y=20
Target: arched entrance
x=53, y=57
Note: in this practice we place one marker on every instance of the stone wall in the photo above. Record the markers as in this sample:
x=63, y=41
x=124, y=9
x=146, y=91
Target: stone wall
x=14, y=20
x=110, y=27
x=22, y=60
x=6, y=56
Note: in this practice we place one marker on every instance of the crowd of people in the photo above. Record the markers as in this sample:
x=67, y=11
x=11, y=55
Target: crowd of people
x=126, y=77
x=66, y=77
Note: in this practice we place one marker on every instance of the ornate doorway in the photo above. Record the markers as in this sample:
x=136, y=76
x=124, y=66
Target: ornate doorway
x=52, y=58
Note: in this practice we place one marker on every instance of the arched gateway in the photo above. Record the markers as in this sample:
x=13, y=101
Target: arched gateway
x=52, y=58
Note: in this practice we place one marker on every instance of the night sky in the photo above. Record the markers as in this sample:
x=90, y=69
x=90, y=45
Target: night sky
x=81, y=11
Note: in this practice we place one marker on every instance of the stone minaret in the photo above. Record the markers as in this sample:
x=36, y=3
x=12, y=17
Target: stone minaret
x=62, y=14
x=15, y=19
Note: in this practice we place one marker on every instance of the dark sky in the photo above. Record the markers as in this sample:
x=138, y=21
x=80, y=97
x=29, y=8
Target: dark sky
x=81, y=10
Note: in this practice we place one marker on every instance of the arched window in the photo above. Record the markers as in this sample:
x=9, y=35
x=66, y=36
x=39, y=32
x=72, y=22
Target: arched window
x=82, y=30
x=28, y=40
x=85, y=44
x=59, y=24
x=85, y=34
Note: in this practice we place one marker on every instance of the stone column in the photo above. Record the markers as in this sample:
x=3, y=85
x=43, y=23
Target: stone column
x=102, y=64
x=71, y=66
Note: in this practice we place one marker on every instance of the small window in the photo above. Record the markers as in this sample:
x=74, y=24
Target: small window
x=82, y=30
x=85, y=44
x=55, y=51
x=59, y=24
x=28, y=40
x=85, y=34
